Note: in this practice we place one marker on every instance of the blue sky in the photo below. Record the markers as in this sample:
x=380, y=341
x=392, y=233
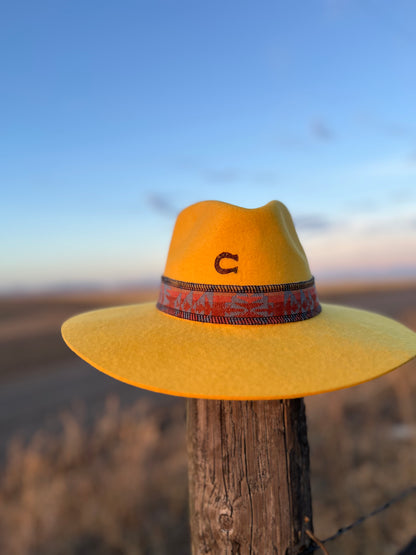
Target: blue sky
x=116, y=115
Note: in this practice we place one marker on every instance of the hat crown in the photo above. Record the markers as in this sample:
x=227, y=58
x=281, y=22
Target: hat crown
x=218, y=243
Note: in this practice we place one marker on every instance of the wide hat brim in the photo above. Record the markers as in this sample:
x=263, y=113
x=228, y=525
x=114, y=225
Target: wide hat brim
x=144, y=347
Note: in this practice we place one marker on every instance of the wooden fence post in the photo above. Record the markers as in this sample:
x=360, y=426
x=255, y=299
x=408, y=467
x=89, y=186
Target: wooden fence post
x=248, y=477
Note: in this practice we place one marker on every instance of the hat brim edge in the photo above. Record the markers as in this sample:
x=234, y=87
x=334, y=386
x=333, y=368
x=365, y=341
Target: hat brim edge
x=90, y=356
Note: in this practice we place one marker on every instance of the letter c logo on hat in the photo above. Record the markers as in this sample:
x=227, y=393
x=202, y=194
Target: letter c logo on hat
x=221, y=270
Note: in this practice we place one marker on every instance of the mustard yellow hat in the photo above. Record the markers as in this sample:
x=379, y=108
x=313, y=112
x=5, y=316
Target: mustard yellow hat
x=238, y=317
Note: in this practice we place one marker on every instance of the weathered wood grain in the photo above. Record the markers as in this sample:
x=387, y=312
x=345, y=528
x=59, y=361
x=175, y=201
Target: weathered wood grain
x=249, y=476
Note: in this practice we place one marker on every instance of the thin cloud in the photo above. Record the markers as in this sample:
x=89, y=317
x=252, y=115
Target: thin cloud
x=313, y=222
x=161, y=204
x=321, y=131
x=389, y=128
x=396, y=129
x=402, y=195
x=363, y=205
x=222, y=175
x=395, y=167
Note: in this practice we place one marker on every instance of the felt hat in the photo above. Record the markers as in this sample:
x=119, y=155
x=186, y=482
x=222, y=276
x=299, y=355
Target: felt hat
x=238, y=317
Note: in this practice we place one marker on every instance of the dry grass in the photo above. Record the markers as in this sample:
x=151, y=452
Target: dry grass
x=362, y=444
x=120, y=486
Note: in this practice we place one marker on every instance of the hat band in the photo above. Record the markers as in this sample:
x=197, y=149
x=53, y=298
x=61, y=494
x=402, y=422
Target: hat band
x=239, y=304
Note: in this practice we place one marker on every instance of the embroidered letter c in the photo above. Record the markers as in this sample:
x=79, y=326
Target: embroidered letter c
x=221, y=270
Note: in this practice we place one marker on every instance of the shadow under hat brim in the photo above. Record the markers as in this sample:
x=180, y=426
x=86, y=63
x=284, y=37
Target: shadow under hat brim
x=144, y=347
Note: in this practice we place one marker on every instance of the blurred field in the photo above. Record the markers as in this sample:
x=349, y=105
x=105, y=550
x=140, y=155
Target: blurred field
x=110, y=478
x=30, y=326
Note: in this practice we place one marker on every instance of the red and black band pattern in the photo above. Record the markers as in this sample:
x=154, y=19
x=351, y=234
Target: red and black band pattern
x=239, y=304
